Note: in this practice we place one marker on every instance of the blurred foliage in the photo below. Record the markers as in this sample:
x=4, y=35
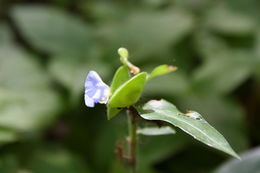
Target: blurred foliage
x=47, y=48
x=248, y=163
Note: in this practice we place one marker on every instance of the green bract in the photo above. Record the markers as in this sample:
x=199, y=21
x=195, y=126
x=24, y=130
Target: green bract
x=191, y=123
x=128, y=93
x=120, y=77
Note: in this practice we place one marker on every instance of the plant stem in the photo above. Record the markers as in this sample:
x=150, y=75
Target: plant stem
x=132, y=138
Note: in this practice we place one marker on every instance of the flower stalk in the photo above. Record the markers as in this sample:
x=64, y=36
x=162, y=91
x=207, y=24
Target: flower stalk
x=123, y=52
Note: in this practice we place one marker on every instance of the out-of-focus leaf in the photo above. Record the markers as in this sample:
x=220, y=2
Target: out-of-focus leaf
x=161, y=70
x=26, y=100
x=9, y=164
x=223, y=74
x=198, y=5
x=57, y=161
x=157, y=148
x=107, y=139
x=228, y=112
x=207, y=44
x=128, y=93
x=7, y=136
x=28, y=110
x=71, y=73
x=117, y=167
x=52, y=30
x=257, y=45
x=257, y=52
x=155, y=3
x=227, y=21
x=149, y=33
x=155, y=131
x=191, y=123
x=174, y=84
x=19, y=71
x=15, y=86
x=120, y=77
x=106, y=11
x=249, y=163
x=5, y=34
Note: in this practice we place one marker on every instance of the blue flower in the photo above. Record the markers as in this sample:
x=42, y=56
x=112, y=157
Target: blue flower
x=96, y=91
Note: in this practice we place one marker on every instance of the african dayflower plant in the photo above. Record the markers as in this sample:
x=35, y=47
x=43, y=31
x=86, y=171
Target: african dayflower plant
x=124, y=93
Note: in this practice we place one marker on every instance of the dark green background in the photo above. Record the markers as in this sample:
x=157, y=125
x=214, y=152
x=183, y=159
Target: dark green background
x=47, y=48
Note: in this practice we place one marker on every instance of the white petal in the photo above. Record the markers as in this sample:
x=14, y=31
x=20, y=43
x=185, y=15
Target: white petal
x=97, y=95
x=88, y=84
x=105, y=97
x=89, y=102
x=94, y=75
x=96, y=88
x=101, y=83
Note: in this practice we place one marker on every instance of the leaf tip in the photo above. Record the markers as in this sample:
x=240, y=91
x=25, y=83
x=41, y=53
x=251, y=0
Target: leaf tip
x=172, y=68
x=236, y=156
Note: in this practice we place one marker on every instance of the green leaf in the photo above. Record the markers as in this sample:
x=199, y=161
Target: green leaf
x=5, y=34
x=53, y=30
x=191, y=123
x=223, y=74
x=257, y=53
x=128, y=93
x=7, y=136
x=229, y=111
x=218, y=19
x=161, y=70
x=249, y=163
x=111, y=112
x=141, y=29
x=71, y=73
x=120, y=77
x=117, y=166
x=155, y=131
x=208, y=43
x=153, y=149
x=27, y=102
x=176, y=84
x=9, y=164
x=56, y=160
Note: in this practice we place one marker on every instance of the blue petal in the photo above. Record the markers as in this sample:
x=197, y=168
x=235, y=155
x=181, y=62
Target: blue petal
x=96, y=91
x=93, y=78
x=90, y=92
